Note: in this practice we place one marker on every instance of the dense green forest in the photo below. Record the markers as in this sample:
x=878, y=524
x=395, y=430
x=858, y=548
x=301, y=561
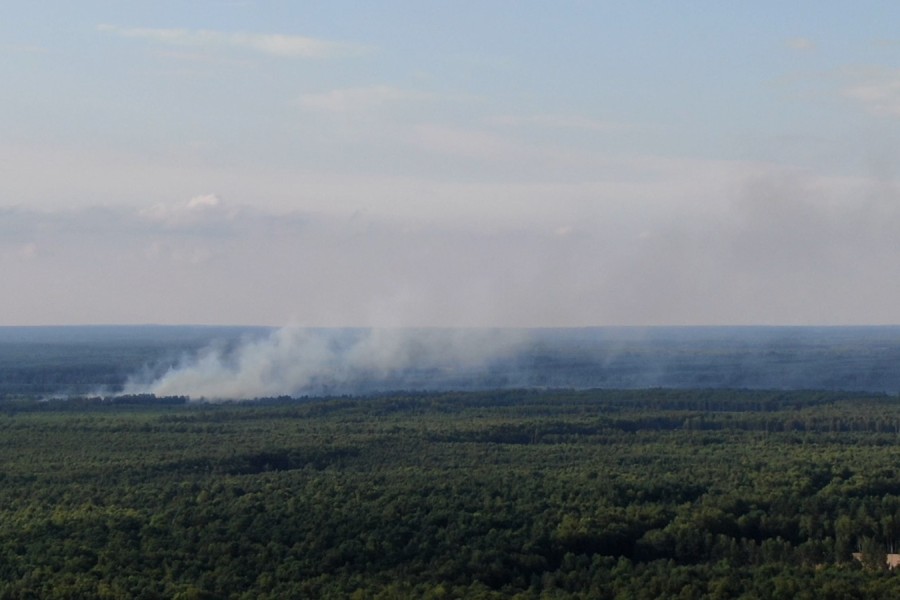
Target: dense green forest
x=511, y=494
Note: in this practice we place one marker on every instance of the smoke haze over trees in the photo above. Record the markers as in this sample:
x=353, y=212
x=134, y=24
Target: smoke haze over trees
x=238, y=363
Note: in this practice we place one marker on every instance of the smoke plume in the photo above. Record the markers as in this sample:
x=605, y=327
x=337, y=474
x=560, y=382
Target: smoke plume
x=297, y=361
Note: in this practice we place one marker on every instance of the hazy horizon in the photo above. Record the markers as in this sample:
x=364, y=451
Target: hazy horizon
x=241, y=363
x=465, y=164
x=623, y=327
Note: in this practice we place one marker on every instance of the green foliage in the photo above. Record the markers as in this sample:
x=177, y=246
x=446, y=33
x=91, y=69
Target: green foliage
x=603, y=494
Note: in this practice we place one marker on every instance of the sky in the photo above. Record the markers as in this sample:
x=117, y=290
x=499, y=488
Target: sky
x=450, y=164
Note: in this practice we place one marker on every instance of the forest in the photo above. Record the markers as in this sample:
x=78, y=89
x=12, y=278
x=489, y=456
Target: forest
x=490, y=494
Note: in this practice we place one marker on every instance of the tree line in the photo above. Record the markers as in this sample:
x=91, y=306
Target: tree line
x=504, y=494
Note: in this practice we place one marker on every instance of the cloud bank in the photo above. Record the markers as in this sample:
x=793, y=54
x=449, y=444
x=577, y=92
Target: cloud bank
x=785, y=247
x=876, y=90
x=272, y=44
x=359, y=98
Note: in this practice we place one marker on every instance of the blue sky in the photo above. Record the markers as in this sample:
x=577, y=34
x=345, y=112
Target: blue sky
x=450, y=163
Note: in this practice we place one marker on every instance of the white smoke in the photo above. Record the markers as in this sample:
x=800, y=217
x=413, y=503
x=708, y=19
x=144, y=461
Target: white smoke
x=297, y=361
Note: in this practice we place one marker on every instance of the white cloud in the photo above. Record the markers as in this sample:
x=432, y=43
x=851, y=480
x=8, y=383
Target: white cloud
x=204, y=201
x=803, y=44
x=273, y=44
x=28, y=251
x=466, y=142
x=28, y=49
x=557, y=121
x=876, y=90
x=196, y=210
x=516, y=162
x=359, y=98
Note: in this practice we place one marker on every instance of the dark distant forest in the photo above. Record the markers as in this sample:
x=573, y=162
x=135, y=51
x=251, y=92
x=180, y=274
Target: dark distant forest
x=61, y=361
x=55, y=361
x=495, y=494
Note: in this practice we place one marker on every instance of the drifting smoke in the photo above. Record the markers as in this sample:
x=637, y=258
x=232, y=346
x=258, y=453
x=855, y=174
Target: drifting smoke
x=296, y=361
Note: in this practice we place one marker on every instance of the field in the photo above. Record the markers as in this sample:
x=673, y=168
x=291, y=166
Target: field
x=501, y=494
